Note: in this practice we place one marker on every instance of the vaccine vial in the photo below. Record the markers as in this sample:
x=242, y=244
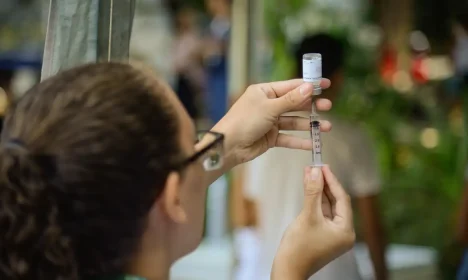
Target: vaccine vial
x=312, y=70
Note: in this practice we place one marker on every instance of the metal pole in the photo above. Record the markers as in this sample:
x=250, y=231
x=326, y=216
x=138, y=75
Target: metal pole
x=84, y=31
x=238, y=47
x=258, y=45
x=115, y=21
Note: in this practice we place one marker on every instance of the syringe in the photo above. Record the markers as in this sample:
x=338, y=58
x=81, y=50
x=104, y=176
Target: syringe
x=315, y=136
x=312, y=73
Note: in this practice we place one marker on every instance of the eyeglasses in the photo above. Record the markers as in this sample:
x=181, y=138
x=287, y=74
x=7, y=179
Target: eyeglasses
x=211, y=154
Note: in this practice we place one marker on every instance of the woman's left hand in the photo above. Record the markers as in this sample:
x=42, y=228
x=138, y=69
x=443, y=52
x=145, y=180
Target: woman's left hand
x=253, y=124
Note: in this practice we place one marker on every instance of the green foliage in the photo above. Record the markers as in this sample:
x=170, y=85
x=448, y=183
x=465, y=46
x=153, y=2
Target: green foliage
x=275, y=11
x=422, y=186
x=198, y=4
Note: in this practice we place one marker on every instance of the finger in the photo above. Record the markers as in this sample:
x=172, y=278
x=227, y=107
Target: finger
x=321, y=104
x=293, y=142
x=292, y=100
x=313, y=190
x=293, y=123
x=325, y=126
x=280, y=88
x=331, y=179
x=283, y=87
x=331, y=198
x=300, y=124
x=326, y=205
x=343, y=210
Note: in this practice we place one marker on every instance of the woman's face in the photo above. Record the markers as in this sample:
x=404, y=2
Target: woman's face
x=182, y=203
x=192, y=187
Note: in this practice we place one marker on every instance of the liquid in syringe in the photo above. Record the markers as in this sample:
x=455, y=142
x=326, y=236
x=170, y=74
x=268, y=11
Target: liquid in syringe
x=316, y=140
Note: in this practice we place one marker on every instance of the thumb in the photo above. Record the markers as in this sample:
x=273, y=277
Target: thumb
x=313, y=189
x=293, y=99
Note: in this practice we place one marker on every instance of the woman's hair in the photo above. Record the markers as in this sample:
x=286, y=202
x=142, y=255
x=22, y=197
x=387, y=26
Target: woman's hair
x=83, y=157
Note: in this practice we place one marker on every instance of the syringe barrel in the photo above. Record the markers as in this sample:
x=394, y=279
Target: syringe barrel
x=316, y=143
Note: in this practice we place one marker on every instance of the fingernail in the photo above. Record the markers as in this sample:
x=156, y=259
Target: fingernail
x=314, y=174
x=306, y=89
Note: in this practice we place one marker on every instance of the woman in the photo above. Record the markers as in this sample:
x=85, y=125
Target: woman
x=100, y=177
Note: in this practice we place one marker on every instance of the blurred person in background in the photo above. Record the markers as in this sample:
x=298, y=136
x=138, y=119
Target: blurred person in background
x=270, y=180
x=457, y=84
x=462, y=231
x=188, y=61
x=216, y=52
x=460, y=60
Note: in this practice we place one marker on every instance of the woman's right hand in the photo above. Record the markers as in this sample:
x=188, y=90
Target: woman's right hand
x=322, y=232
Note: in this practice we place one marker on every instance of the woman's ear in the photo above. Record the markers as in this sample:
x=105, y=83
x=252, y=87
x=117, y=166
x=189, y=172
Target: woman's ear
x=170, y=201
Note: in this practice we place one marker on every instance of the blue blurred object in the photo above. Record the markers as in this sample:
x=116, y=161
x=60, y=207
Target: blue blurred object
x=454, y=86
x=217, y=71
x=13, y=60
x=463, y=269
x=21, y=36
x=216, y=95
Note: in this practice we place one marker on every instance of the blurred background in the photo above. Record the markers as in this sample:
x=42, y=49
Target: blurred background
x=405, y=79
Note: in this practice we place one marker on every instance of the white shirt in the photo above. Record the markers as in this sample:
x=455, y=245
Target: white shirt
x=275, y=182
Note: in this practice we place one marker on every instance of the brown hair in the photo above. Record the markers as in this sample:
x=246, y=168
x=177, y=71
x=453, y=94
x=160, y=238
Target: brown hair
x=83, y=157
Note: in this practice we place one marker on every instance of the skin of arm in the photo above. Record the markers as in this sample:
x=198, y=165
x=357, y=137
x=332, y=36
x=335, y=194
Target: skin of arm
x=229, y=159
x=373, y=232
x=284, y=273
x=243, y=210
